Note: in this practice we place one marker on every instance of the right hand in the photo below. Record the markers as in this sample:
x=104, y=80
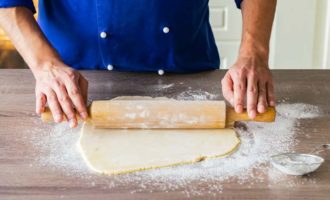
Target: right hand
x=65, y=91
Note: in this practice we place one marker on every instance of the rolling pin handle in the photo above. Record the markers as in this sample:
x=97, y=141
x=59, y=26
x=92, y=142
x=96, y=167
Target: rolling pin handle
x=232, y=116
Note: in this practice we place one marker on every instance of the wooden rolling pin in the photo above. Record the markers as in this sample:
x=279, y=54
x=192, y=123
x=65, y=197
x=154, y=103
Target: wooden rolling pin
x=165, y=114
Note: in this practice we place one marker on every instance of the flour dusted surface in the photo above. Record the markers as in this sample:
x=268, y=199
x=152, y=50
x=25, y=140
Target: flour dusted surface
x=259, y=141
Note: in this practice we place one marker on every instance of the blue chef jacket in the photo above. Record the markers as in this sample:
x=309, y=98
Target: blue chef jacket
x=129, y=35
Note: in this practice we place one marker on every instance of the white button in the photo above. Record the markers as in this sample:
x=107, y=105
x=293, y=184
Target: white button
x=166, y=30
x=110, y=67
x=103, y=34
x=161, y=72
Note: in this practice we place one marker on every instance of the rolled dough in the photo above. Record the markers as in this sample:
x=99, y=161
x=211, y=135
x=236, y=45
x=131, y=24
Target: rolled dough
x=117, y=151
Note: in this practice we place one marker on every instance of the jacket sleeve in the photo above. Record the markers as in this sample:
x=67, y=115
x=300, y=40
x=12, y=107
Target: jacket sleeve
x=238, y=3
x=18, y=3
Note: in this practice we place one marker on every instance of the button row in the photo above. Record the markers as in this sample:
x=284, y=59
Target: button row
x=104, y=35
x=160, y=71
x=110, y=67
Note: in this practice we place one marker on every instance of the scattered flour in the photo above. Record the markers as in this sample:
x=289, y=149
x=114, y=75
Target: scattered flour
x=58, y=149
x=162, y=87
x=196, y=95
x=248, y=165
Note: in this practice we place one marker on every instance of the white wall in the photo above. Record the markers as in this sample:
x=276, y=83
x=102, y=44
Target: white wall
x=300, y=39
x=226, y=22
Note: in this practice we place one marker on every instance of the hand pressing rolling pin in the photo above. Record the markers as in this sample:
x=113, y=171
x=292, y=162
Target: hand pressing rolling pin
x=250, y=76
x=62, y=42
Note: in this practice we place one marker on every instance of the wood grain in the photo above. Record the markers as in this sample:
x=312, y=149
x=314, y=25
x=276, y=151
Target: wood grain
x=18, y=180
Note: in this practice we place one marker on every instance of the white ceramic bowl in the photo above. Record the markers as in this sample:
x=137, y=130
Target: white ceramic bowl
x=296, y=163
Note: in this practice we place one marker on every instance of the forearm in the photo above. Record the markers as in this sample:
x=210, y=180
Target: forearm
x=23, y=30
x=250, y=78
x=258, y=16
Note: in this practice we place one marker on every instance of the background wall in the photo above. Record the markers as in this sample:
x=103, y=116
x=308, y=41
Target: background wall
x=300, y=39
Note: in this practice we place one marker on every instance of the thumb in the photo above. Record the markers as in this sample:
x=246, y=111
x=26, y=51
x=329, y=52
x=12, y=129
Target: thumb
x=228, y=89
x=40, y=102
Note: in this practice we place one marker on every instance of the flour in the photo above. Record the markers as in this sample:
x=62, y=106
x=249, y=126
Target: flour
x=58, y=149
x=196, y=95
x=161, y=87
x=259, y=141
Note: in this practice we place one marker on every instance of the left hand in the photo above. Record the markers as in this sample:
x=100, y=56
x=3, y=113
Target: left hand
x=249, y=77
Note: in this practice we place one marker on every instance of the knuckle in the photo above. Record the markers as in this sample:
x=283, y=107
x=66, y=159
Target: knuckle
x=74, y=91
x=55, y=82
x=240, y=73
x=254, y=77
x=253, y=90
x=240, y=87
x=235, y=73
x=262, y=90
x=48, y=91
x=253, y=73
x=64, y=98
x=80, y=105
x=72, y=74
x=238, y=100
x=51, y=97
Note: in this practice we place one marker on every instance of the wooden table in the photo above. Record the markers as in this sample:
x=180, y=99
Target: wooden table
x=18, y=180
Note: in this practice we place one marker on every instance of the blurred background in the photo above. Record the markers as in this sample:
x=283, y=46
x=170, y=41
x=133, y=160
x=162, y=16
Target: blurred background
x=300, y=38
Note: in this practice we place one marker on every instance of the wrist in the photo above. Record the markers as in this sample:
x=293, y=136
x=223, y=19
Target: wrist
x=255, y=55
x=252, y=47
x=44, y=65
x=44, y=61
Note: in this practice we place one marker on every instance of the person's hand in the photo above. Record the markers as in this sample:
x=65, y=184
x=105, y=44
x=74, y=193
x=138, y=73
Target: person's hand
x=249, y=78
x=65, y=91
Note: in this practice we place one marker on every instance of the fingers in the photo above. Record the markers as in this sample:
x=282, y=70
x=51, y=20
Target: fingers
x=252, y=96
x=270, y=93
x=262, y=99
x=66, y=104
x=54, y=106
x=65, y=91
x=227, y=89
x=40, y=102
x=249, y=78
x=239, y=93
x=77, y=98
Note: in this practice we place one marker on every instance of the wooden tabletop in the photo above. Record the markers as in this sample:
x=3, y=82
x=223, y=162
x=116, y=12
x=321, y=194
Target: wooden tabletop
x=19, y=179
